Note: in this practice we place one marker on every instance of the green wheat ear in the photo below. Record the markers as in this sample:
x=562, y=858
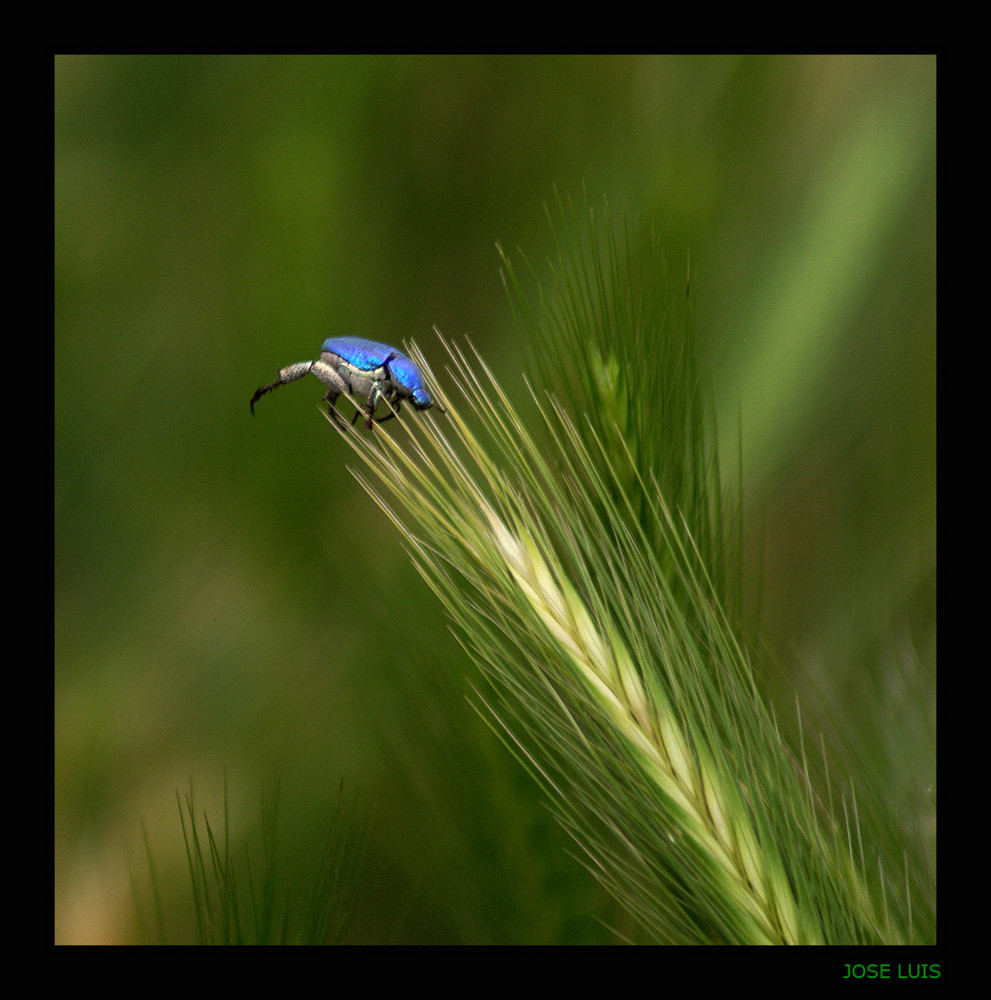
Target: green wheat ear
x=584, y=564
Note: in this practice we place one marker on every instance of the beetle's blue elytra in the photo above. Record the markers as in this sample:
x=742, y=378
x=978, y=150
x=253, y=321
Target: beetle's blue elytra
x=365, y=369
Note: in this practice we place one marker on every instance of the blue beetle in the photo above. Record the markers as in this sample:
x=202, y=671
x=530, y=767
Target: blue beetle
x=365, y=369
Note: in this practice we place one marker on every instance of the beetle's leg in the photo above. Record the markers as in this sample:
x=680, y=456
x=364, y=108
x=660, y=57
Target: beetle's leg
x=288, y=374
x=330, y=398
x=323, y=371
x=330, y=378
x=393, y=412
x=374, y=397
x=394, y=408
x=368, y=409
x=373, y=400
x=335, y=386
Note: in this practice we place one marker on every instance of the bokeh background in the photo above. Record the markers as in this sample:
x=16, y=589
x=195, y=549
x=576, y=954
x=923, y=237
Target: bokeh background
x=228, y=600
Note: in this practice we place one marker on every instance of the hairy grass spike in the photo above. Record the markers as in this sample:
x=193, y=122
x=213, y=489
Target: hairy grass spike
x=593, y=605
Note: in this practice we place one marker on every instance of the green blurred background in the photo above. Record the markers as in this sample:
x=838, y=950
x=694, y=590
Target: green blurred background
x=228, y=598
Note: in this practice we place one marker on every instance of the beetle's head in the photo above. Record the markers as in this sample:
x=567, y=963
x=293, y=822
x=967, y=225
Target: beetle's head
x=421, y=399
